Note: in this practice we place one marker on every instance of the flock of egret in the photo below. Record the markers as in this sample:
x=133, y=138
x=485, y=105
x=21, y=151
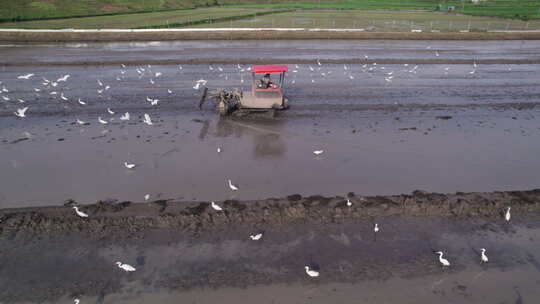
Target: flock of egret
x=369, y=68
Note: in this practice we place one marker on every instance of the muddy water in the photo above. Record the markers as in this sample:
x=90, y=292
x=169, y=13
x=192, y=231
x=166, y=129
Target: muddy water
x=434, y=129
x=283, y=50
x=396, y=266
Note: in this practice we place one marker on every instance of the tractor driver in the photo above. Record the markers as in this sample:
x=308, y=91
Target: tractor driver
x=266, y=82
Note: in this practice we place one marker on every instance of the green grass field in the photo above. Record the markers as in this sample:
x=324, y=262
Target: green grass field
x=379, y=20
x=39, y=9
x=515, y=9
x=143, y=20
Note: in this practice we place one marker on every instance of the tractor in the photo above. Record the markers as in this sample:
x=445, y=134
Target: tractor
x=265, y=96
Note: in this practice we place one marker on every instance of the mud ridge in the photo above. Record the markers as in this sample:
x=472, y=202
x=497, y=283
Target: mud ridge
x=195, y=217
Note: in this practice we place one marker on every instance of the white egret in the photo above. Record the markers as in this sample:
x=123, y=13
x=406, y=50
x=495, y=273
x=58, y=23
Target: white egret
x=125, y=116
x=154, y=102
x=199, y=82
x=169, y=91
x=37, y=90
x=125, y=267
x=107, y=87
x=21, y=100
x=76, y=301
x=319, y=62
x=4, y=89
x=147, y=197
x=81, y=102
x=349, y=203
x=63, y=78
x=27, y=76
x=21, y=112
x=152, y=81
x=218, y=150
x=80, y=122
x=483, y=256
x=376, y=228
x=100, y=83
x=79, y=213
x=311, y=273
x=102, y=121
x=147, y=120
x=110, y=111
x=129, y=166
x=158, y=74
x=233, y=187
x=216, y=207
x=507, y=215
x=6, y=98
x=63, y=97
x=100, y=91
x=256, y=237
x=443, y=261
x=345, y=67
x=318, y=152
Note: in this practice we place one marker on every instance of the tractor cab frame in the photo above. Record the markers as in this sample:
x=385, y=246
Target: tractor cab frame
x=266, y=88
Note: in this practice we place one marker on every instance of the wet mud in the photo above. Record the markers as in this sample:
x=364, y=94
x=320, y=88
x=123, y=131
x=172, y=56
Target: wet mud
x=187, y=251
x=196, y=217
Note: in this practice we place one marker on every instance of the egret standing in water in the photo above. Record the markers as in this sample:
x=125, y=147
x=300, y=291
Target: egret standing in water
x=310, y=272
x=125, y=267
x=443, y=261
x=233, y=187
x=507, y=215
x=483, y=258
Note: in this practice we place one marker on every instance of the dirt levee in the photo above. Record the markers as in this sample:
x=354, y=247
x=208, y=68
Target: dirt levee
x=107, y=217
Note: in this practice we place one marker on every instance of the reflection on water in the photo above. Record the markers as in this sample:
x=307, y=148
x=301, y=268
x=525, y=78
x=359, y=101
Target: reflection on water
x=267, y=141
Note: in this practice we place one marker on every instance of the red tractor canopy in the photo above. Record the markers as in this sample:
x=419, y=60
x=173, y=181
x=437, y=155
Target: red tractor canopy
x=269, y=69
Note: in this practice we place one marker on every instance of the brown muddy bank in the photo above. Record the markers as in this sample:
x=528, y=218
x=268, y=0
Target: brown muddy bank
x=209, y=34
x=196, y=217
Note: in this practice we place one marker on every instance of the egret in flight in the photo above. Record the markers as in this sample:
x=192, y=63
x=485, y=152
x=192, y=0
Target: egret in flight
x=21, y=112
x=256, y=237
x=27, y=76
